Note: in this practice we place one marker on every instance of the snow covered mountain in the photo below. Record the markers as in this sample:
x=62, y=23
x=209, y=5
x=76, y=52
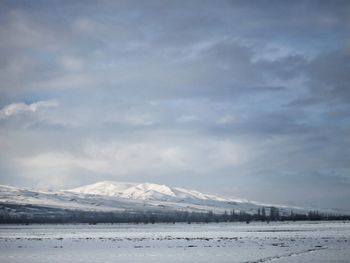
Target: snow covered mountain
x=117, y=196
x=145, y=191
x=110, y=196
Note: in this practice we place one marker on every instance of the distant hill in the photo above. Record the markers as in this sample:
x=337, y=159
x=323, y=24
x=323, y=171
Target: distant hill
x=118, y=197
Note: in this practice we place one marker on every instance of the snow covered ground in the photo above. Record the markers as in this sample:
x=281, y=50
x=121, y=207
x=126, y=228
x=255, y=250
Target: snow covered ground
x=227, y=242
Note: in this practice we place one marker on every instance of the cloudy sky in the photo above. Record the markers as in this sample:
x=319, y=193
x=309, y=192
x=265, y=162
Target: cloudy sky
x=244, y=98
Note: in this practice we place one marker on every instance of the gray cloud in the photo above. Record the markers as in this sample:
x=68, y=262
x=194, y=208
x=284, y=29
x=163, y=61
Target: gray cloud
x=239, y=97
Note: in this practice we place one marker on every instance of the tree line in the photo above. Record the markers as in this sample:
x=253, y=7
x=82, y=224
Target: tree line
x=53, y=215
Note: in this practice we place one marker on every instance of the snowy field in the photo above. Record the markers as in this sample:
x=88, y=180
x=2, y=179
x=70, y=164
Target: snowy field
x=228, y=242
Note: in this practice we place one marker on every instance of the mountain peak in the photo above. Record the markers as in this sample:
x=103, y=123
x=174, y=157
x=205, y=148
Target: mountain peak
x=143, y=191
x=156, y=188
x=108, y=188
x=123, y=189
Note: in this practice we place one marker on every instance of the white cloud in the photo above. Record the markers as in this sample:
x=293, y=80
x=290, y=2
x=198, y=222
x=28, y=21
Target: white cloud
x=21, y=108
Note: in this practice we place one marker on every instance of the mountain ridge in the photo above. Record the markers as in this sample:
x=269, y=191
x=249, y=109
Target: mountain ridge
x=145, y=191
x=119, y=197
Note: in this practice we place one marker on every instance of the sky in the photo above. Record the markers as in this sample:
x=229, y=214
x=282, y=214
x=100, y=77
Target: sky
x=249, y=99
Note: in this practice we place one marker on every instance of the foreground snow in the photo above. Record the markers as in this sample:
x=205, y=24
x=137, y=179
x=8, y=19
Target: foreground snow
x=231, y=242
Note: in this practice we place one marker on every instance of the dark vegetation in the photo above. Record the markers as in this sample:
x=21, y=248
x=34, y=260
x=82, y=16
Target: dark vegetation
x=17, y=214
